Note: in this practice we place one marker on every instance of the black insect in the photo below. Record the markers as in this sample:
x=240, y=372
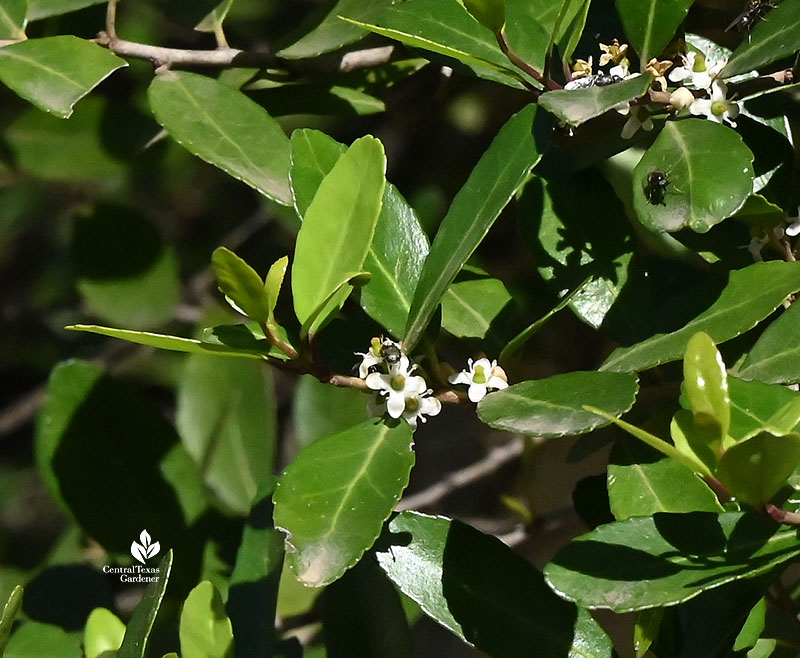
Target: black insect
x=753, y=12
x=655, y=187
x=390, y=351
x=599, y=80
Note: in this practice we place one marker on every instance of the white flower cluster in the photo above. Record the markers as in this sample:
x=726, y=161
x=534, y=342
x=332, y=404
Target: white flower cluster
x=702, y=75
x=480, y=376
x=388, y=371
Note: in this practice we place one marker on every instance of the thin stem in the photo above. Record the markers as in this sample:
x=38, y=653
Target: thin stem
x=278, y=342
x=782, y=516
x=521, y=64
x=111, y=19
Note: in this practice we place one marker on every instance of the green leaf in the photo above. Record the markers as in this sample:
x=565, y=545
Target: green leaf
x=494, y=180
x=650, y=26
x=470, y=307
x=54, y=73
x=226, y=418
x=10, y=610
x=137, y=634
x=12, y=19
x=83, y=408
x=205, y=629
x=554, y=406
x=225, y=128
x=775, y=357
x=667, y=559
x=173, y=343
x=331, y=32
x=705, y=383
x=334, y=497
x=576, y=106
x=321, y=98
x=241, y=284
x=489, y=13
x=755, y=406
x=104, y=632
x=337, y=231
x=320, y=410
x=648, y=624
x=772, y=39
x=38, y=9
x=702, y=188
x=504, y=611
x=446, y=28
x=273, y=283
x=127, y=275
x=330, y=305
x=751, y=294
x=242, y=339
x=755, y=470
x=640, y=486
x=314, y=154
x=753, y=626
x=213, y=21
x=36, y=640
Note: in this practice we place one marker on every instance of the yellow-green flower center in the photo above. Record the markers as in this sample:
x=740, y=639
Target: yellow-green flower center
x=412, y=404
x=699, y=63
x=480, y=376
x=718, y=108
x=398, y=382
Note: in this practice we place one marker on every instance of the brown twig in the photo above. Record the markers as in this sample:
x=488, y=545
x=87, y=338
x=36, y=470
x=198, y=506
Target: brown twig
x=782, y=516
x=521, y=64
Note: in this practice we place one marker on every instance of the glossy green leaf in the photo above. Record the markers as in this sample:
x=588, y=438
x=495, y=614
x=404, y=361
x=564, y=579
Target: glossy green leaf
x=38, y=9
x=10, y=610
x=83, y=408
x=775, y=357
x=320, y=410
x=705, y=384
x=489, y=13
x=446, y=28
x=753, y=626
x=638, y=485
x=504, y=611
x=213, y=21
x=36, y=640
x=104, y=632
x=225, y=128
x=12, y=19
x=650, y=26
x=755, y=406
x=226, y=418
x=337, y=231
x=244, y=338
x=702, y=188
x=137, y=634
x=751, y=295
x=668, y=558
x=330, y=305
x=127, y=275
x=334, y=497
x=554, y=406
x=241, y=284
x=576, y=106
x=54, y=73
x=398, y=248
x=470, y=307
x=205, y=629
x=173, y=343
x=330, y=32
x=758, y=211
x=645, y=632
x=772, y=39
x=494, y=180
x=755, y=470
x=273, y=283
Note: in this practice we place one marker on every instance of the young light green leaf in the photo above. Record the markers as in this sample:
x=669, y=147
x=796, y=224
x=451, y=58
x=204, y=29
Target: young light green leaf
x=328, y=307
x=337, y=231
x=12, y=19
x=273, y=283
x=775, y=357
x=751, y=295
x=10, y=610
x=650, y=26
x=772, y=39
x=501, y=170
x=489, y=13
x=504, y=611
x=104, y=632
x=54, y=73
x=137, y=634
x=753, y=626
x=705, y=382
x=214, y=20
x=702, y=189
x=755, y=470
x=331, y=33
x=34, y=640
x=241, y=284
x=470, y=307
x=314, y=154
x=225, y=128
x=554, y=406
x=667, y=559
x=334, y=497
x=576, y=106
x=648, y=624
x=205, y=629
x=446, y=28
x=755, y=406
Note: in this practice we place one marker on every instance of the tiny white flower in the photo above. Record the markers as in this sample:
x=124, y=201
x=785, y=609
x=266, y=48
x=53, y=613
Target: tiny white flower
x=620, y=70
x=397, y=385
x=420, y=405
x=717, y=108
x=793, y=227
x=638, y=118
x=697, y=71
x=681, y=99
x=481, y=376
x=377, y=354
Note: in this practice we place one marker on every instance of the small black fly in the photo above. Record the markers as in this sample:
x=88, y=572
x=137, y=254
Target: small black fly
x=390, y=351
x=753, y=12
x=655, y=187
x=599, y=80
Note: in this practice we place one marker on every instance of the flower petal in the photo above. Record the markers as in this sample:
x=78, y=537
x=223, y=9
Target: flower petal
x=395, y=405
x=378, y=382
x=476, y=392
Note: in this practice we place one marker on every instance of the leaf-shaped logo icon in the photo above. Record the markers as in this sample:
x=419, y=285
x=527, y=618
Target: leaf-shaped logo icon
x=139, y=552
x=147, y=549
x=154, y=548
x=145, y=538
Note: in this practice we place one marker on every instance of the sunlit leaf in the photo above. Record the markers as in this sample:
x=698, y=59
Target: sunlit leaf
x=12, y=19
x=205, y=629
x=576, y=106
x=650, y=26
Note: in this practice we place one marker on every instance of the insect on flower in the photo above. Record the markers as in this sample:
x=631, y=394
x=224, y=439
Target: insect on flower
x=753, y=12
x=390, y=351
x=655, y=187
